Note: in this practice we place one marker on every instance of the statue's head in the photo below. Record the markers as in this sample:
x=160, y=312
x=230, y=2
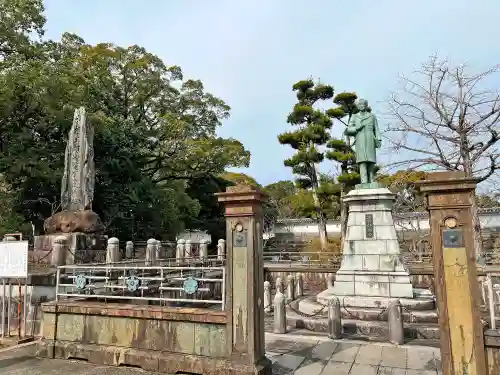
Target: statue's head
x=362, y=105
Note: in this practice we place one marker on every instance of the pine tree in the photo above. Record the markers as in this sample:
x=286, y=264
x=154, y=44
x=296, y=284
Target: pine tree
x=341, y=151
x=312, y=132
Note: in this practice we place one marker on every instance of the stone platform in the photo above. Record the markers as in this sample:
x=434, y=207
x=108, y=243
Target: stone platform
x=366, y=317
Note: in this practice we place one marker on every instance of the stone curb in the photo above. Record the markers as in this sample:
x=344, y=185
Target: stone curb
x=13, y=347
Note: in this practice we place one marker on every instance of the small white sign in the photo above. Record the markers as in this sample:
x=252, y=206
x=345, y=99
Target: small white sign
x=14, y=259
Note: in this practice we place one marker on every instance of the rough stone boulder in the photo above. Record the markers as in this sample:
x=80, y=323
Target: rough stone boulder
x=85, y=221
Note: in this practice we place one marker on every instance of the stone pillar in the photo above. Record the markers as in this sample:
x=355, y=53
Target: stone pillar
x=113, y=250
x=449, y=200
x=299, y=285
x=245, y=278
x=59, y=250
x=151, y=252
x=179, y=250
x=129, y=250
x=267, y=297
x=188, y=250
x=334, y=319
x=158, y=249
x=395, y=322
x=330, y=280
x=290, y=288
x=203, y=249
x=279, y=313
x=279, y=285
x=221, y=249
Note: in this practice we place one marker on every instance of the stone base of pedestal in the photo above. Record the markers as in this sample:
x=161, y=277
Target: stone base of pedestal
x=395, y=284
x=371, y=263
x=82, y=248
x=366, y=317
x=420, y=300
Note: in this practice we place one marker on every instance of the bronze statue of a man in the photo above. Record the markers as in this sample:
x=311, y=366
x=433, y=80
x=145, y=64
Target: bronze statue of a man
x=364, y=127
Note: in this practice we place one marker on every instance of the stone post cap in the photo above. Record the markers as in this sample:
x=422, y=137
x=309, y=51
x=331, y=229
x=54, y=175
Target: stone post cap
x=128, y=243
x=333, y=301
x=158, y=242
x=113, y=241
x=446, y=181
x=151, y=241
x=221, y=241
x=279, y=297
x=203, y=241
x=181, y=241
x=60, y=239
x=241, y=193
x=10, y=238
x=267, y=284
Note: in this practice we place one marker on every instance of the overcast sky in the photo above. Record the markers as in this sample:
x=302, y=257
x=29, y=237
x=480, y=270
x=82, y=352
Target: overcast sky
x=250, y=53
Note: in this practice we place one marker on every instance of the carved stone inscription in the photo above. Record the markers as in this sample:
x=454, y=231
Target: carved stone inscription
x=369, y=225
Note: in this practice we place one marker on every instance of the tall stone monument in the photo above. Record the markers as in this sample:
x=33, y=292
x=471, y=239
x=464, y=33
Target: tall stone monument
x=77, y=187
x=371, y=262
x=76, y=220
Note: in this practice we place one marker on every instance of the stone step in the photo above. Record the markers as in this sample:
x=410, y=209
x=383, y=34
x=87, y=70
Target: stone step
x=375, y=330
x=420, y=302
x=311, y=307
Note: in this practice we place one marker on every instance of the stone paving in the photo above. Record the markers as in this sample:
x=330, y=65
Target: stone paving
x=291, y=354
x=319, y=356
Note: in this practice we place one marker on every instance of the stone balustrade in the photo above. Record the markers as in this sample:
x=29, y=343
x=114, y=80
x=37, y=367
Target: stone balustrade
x=155, y=250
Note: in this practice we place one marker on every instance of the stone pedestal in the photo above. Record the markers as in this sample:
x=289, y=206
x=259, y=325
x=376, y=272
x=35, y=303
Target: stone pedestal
x=371, y=264
x=82, y=248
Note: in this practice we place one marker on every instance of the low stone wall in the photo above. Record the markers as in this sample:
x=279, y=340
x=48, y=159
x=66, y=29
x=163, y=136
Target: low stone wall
x=151, y=337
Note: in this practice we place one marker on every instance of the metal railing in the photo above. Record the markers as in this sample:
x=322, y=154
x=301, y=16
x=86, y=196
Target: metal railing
x=129, y=282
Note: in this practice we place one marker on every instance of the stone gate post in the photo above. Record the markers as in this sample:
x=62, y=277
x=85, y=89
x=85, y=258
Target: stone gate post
x=245, y=278
x=449, y=200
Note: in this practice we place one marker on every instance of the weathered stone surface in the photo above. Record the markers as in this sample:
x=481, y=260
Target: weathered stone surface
x=85, y=221
x=77, y=186
x=80, y=248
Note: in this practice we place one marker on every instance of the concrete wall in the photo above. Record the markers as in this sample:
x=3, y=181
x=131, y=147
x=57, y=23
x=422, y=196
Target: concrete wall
x=490, y=220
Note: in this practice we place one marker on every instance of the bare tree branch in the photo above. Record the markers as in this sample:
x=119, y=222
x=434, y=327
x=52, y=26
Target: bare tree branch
x=447, y=118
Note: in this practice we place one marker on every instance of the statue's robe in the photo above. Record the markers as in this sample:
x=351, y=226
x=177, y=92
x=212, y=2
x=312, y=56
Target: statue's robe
x=364, y=127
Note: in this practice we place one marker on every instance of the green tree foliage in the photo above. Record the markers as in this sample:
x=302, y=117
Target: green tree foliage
x=19, y=19
x=340, y=150
x=302, y=202
x=312, y=132
x=155, y=132
x=235, y=178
